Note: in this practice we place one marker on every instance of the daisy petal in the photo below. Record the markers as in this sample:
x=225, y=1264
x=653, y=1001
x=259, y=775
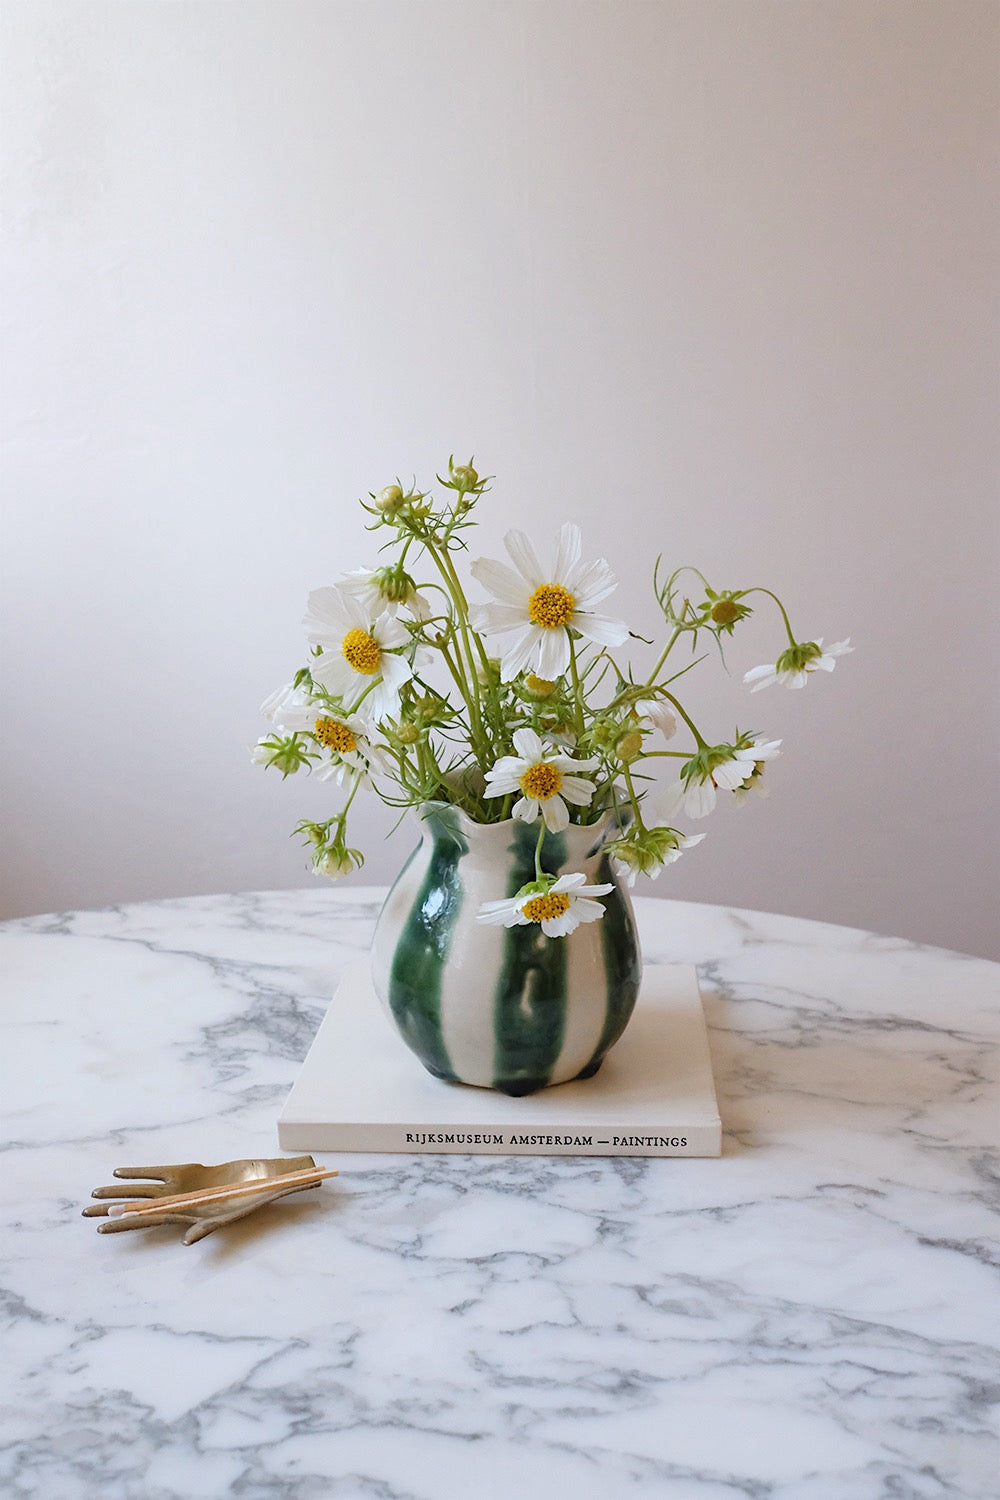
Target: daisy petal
x=335, y=674
x=529, y=745
x=395, y=671
x=601, y=629
x=553, y=653
x=576, y=790
x=502, y=582
x=699, y=799
x=587, y=911
x=520, y=653
x=556, y=814
x=501, y=786
x=524, y=558
x=731, y=774
x=591, y=582
x=495, y=619
x=670, y=802
x=568, y=547
x=390, y=632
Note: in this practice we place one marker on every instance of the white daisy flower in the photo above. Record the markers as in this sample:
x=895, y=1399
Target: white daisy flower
x=542, y=603
x=793, y=666
x=384, y=591
x=343, y=739
x=755, y=787
x=335, y=863
x=275, y=704
x=544, y=777
x=661, y=847
x=695, y=795
x=560, y=909
x=357, y=653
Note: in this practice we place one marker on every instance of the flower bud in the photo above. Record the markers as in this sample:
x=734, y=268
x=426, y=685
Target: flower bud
x=629, y=746
x=394, y=583
x=464, y=477
x=391, y=500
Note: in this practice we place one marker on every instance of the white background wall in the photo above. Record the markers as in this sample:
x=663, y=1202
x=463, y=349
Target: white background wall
x=712, y=278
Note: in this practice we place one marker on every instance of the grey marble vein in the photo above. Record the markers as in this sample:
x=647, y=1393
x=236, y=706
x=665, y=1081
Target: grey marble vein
x=812, y=1317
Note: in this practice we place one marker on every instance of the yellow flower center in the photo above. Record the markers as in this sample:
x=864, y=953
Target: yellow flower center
x=541, y=781
x=361, y=651
x=541, y=908
x=725, y=612
x=539, y=687
x=336, y=737
x=551, y=605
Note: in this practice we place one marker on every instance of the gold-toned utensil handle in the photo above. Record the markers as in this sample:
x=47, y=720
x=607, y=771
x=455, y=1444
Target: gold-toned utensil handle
x=219, y=1195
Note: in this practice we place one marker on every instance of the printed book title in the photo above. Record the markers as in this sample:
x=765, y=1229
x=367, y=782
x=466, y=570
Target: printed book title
x=515, y=1138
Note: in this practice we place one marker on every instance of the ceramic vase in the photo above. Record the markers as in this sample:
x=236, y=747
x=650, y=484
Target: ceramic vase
x=502, y=1008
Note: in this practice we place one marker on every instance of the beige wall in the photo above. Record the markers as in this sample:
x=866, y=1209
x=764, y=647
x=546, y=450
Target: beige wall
x=716, y=279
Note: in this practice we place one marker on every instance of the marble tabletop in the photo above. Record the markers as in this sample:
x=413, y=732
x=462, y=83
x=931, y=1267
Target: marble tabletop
x=810, y=1317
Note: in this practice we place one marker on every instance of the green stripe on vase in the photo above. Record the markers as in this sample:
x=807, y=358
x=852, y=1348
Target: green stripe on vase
x=622, y=969
x=529, y=1007
x=421, y=953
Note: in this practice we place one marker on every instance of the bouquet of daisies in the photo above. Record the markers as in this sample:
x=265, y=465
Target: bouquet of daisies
x=519, y=705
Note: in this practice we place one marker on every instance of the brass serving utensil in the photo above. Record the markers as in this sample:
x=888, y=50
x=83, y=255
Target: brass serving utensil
x=205, y=1198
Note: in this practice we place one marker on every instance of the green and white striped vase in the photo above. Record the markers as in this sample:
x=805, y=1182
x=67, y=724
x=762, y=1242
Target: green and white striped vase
x=503, y=1007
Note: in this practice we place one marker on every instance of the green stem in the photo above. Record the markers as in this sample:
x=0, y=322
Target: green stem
x=539, y=872
x=702, y=743
x=455, y=670
x=654, y=674
x=633, y=798
x=469, y=684
x=342, y=815
x=577, y=689
x=460, y=596
x=784, y=612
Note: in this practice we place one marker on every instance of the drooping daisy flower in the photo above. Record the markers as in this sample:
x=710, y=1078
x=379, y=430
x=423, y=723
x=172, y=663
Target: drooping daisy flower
x=559, y=907
x=286, y=754
x=281, y=699
x=357, y=653
x=544, y=777
x=335, y=863
x=385, y=590
x=650, y=852
x=793, y=666
x=756, y=787
x=343, y=738
x=542, y=603
x=727, y=767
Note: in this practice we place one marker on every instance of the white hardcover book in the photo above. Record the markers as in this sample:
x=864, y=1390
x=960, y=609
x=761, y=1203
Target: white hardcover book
x=361, y=1089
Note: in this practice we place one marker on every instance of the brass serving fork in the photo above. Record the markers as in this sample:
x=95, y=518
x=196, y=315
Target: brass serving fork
x=191, y=1177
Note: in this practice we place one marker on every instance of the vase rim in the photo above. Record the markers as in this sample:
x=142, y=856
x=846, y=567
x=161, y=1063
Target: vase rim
x=467, y=824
